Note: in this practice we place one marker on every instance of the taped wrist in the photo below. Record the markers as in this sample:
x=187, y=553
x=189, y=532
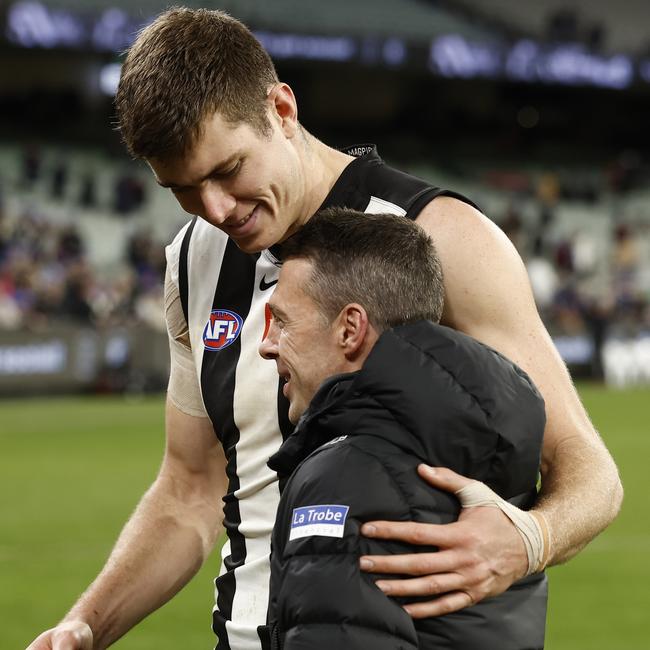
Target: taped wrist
x=531, y=526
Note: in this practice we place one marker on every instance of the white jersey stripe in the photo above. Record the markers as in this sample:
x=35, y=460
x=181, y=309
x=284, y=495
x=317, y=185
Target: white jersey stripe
x=255, y=412
x=202, y=258
x=380, y=206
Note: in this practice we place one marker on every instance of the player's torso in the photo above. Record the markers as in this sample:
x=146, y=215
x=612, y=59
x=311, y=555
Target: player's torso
x=225, y=292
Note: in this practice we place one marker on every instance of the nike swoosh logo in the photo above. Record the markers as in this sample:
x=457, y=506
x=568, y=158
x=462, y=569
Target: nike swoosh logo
x=264, y=285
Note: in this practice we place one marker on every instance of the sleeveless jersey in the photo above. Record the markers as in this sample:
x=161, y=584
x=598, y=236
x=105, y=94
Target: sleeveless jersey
x=224, y=293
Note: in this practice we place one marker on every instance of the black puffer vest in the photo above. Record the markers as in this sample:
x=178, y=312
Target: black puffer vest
x=425, y=394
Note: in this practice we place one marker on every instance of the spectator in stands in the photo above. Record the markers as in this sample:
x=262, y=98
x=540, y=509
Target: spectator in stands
x=88, y=194
x=76, y=305
x=129, y=194
x=31, y=165
x=59, y=178
x=46, y=277
x=70, y=247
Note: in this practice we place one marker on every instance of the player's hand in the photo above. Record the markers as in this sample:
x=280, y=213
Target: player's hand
x=73, y=635
x=479, y=555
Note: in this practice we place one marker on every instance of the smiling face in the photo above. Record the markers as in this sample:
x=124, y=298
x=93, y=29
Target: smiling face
x=241, y=181
x=305, y=347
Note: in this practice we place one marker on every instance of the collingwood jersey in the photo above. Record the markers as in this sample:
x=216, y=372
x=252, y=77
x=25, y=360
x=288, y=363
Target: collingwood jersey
x=224, y=293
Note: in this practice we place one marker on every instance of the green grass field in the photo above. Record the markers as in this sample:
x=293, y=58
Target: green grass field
x=71, y=470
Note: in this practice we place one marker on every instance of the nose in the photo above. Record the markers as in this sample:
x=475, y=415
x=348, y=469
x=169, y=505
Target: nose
x=269, y=346
x=217, y=204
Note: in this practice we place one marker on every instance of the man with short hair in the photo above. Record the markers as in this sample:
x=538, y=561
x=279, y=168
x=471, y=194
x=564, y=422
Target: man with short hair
x=200, y=101
x=376, y=387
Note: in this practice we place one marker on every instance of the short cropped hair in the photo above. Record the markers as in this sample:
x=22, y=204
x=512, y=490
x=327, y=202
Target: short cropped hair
x=181, y=69
x=385, y=263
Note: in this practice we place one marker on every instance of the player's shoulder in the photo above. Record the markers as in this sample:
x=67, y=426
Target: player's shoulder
x=460, y=230
x=487, y=294
x=449, y=211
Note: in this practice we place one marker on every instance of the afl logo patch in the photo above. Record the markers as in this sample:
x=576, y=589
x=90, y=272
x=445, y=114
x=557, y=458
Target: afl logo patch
x=222, y=329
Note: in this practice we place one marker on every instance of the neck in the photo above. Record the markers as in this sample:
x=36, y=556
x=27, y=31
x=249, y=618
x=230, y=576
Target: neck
x=323, y=165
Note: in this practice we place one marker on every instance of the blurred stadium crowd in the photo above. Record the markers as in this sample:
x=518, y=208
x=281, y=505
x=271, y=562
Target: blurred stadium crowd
x=58, y=261
x=585, y=239
x=537, y=112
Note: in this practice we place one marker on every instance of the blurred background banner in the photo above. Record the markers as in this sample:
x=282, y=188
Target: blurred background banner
x=537, y=111
x=71, y=359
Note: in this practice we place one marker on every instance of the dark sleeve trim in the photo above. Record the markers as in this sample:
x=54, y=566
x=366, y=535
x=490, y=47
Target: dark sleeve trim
x=183, y=288
x=425, y=197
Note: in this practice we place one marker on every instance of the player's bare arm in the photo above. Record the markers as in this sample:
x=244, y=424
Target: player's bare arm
x=488, y=296
x=162, y=546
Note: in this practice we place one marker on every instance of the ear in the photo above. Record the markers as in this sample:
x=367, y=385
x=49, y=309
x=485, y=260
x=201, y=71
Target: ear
x=355, y=334
x=284, y=108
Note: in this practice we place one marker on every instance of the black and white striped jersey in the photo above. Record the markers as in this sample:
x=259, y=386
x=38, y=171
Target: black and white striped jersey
x=224, y=293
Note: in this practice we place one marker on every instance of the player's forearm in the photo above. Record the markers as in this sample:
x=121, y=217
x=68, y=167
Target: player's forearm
x=581, y=495
x=159, y=550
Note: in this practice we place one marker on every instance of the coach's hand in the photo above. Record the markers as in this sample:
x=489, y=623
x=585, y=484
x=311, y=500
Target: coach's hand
x=479, y=555
x=73, y=635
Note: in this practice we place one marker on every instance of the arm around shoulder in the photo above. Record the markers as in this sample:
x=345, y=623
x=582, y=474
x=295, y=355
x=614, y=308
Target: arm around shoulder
x=488, y=296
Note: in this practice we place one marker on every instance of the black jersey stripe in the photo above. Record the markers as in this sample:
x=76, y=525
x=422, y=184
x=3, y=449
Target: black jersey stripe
x=427, y=195
x=182, y=270
x=234, y=293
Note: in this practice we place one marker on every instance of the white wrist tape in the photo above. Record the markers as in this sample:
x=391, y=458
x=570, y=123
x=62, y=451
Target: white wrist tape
x=532, y=526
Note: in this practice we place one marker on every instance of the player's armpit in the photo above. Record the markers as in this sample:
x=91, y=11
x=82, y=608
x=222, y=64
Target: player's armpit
x=488, y=296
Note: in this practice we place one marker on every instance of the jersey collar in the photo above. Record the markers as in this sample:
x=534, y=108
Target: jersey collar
x=363, y=153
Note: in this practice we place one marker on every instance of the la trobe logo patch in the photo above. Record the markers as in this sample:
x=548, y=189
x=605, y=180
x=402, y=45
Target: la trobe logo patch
x=323, y=520
x=222, y=329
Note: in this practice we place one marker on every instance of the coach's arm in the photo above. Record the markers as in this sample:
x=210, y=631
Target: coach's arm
x=488, y=296
x=163, y=545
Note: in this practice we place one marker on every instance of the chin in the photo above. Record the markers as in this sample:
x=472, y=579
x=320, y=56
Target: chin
x=256, y=242
x=250, y=247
